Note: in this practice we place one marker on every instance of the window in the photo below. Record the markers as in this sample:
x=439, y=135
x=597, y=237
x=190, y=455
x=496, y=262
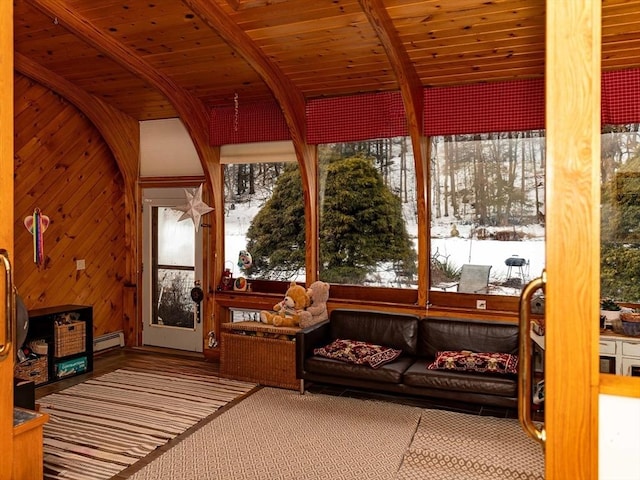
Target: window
x=172, y=268
x=487, y=209
x=620, y=213
x=368, y=213
x=264, y=211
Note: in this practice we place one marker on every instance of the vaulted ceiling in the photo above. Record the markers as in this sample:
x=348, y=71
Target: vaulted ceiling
x=143, y=56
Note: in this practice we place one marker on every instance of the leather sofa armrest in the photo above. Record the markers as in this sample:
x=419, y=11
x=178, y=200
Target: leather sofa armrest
x=309, y=338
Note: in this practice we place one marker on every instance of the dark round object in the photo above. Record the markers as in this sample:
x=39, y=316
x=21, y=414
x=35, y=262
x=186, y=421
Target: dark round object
x=515, y=262
x=197, y=294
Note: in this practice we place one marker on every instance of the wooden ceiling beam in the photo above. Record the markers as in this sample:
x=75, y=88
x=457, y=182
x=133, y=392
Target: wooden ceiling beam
x=192, y=111
x=413, y=99
x=291, y=101
x=289, y=96
x=107, y=119
x=119, y=130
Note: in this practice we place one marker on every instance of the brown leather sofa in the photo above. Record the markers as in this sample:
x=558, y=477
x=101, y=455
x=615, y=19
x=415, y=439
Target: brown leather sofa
x=419, y=339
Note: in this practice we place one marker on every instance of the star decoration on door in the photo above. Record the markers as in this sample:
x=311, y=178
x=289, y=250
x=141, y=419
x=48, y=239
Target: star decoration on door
x=195, y=207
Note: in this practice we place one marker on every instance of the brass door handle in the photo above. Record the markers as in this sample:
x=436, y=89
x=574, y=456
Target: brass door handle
x=524, y=372
x=5, y=348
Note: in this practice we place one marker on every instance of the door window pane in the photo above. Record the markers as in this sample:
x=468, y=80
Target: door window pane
x=173, y=269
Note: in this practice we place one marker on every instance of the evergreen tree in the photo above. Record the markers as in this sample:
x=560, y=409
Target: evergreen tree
x=276, y=236
x=361, y=226
x=620, y=234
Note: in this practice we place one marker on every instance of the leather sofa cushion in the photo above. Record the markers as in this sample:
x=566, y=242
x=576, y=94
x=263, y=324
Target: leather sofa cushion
x=439, y=334
x=388, y=373
x=394, y=330
x=417, y=375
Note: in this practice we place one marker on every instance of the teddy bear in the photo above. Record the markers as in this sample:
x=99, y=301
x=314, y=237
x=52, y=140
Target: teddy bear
x=317, y=312
x=286, y=313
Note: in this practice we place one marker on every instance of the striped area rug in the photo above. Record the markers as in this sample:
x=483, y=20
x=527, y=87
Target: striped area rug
x=100, y=427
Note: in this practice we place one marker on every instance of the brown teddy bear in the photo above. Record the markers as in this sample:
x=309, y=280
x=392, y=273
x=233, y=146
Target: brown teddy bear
x=317, y=312
x=287, y=312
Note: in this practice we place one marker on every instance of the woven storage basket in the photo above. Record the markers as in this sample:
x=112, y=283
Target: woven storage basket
x=267, y=361
x=35, y=370
x=630, y=317
x=70, y=338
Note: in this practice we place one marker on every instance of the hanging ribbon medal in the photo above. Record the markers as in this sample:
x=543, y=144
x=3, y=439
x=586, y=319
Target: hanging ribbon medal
x=36, y=224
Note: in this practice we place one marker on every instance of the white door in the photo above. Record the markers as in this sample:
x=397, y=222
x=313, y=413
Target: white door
x=172, y=265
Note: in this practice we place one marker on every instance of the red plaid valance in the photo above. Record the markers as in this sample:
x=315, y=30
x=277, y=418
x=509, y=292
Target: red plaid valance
x=355, y=117
x=621, y=97
x=493, y=107
x=483, y=108
x=256, y=122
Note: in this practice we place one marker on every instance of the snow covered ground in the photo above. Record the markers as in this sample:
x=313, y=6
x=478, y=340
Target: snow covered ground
x=459, y=250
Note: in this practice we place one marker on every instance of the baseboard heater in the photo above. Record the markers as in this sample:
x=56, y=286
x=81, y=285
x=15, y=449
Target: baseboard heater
x=108, y=340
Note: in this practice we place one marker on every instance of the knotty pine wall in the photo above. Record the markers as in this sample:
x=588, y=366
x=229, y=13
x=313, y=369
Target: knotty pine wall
x=63, y=167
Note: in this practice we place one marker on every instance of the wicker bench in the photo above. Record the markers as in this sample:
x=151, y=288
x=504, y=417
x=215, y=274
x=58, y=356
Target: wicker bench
x=255, y=352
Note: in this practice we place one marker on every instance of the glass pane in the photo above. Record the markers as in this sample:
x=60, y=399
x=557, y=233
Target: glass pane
x=176, y=245
x=487, y=210
x=620, y=214
x=174, y=269
x=368, y=213
x=264, y=215
x=173, y=304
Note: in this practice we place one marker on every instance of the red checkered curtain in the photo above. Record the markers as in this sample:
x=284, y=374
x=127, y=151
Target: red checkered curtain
x=621, y=97
x=484, y=108
x=257, y=122
x=355, y=117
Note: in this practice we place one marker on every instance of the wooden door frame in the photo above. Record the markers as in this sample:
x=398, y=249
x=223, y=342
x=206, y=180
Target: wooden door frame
x=572, y=87
x=6, y=224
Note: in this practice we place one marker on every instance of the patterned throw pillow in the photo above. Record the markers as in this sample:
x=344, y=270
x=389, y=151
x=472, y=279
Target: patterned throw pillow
x=476, y=362
x=357, y=352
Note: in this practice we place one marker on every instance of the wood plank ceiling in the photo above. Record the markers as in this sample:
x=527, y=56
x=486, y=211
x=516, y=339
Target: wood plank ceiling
x=324, y=48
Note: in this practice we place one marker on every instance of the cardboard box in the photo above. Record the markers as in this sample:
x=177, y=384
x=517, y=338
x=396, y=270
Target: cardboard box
x=71, y=367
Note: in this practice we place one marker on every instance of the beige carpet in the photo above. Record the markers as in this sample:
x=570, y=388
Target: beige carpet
x=455, y=446
x=280, y=434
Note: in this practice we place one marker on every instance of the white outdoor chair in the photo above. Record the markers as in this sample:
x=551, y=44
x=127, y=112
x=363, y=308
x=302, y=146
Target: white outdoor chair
x=474, y=278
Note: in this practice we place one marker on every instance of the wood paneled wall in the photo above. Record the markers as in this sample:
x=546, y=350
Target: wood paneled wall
x=64, y=167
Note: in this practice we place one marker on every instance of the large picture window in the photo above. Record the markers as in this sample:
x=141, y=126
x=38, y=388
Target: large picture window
x=487, y=211
x=368, y=213
x=264, y=211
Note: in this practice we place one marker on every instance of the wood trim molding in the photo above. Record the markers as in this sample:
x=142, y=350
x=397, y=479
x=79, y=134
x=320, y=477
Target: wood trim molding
x=572, y=88
x=620, y=385
x=6, y=227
